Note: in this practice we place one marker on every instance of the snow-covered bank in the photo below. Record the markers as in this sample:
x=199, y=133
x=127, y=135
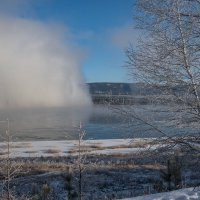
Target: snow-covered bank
x=182, y=194
x=113, y=169
x=69, y=147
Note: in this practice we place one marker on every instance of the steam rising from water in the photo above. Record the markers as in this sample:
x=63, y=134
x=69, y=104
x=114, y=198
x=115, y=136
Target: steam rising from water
x=37, y=67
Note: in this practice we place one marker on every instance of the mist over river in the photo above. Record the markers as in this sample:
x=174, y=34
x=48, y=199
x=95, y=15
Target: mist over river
x=103, y=122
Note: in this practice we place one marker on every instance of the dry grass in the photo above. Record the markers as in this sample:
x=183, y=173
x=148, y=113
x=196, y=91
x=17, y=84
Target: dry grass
x=3, y=146
x=90, y=148
x=52, y=151
x=43, y=167
x=2, y=153
x=31, y=152
x=128, y=166
x=141, y=144
x=15, y=146
x=21, y=145
x=57, y=164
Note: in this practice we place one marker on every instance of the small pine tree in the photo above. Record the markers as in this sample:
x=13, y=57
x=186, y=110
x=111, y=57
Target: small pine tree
x=45, y=191
x=68, y=185
x=176, y=169
x=35, y=192
x=158, y=186
x=172, y=175
x=167, y=175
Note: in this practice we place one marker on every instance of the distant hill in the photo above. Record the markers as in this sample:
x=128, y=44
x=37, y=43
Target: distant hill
x=121, y=89
x=134, y=93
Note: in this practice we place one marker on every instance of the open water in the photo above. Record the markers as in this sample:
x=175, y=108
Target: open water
x=103, y=122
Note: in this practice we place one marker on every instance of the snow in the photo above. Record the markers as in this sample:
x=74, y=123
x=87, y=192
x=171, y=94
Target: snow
x=182, y=194
x=70, y=147
x=97, y=147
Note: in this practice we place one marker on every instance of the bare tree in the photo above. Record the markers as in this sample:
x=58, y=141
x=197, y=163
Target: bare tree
x=8, y=167
x=80, y=160
x=74, y=176
x=77, y=168
x=167, y=57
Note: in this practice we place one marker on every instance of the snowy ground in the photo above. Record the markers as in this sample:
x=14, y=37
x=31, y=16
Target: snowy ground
x=112, y=167
x=183, y=194
x=70, y=147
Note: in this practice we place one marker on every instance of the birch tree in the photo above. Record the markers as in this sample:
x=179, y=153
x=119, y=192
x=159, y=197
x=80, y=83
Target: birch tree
x=167, y=56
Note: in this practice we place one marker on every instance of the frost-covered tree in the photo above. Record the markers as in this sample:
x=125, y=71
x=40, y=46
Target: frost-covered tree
x=167, y=56
x=8, y=167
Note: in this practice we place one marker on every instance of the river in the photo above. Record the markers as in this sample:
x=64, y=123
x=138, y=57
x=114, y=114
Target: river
x=102, y=122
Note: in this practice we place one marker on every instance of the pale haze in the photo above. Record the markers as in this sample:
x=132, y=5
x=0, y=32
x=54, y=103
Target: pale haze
x=38, y=66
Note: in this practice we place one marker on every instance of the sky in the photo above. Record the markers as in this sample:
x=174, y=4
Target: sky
x=99, y=31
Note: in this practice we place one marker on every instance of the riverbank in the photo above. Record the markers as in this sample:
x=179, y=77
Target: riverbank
x=70, y=147
x=112, y=169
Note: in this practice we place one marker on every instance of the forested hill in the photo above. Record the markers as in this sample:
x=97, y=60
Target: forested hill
x=121, y=89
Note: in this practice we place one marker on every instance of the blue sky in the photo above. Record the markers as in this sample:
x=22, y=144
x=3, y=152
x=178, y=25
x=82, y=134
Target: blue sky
x=100, y=29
